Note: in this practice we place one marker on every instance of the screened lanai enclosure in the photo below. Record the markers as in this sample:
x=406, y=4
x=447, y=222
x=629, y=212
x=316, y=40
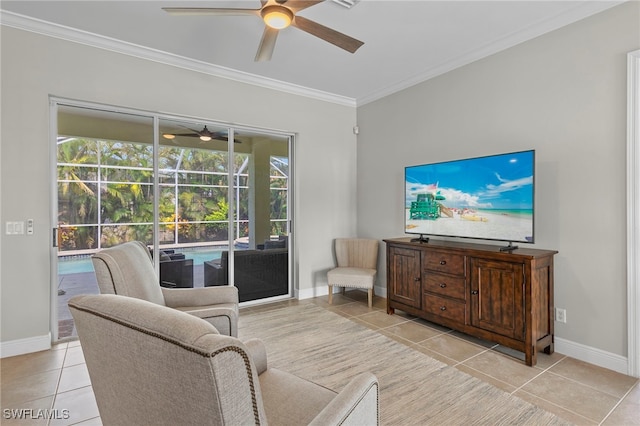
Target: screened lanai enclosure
x=210, y=201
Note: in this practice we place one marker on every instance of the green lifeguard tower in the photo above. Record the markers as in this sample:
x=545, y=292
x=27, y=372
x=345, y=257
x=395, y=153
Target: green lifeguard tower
x=425, y=207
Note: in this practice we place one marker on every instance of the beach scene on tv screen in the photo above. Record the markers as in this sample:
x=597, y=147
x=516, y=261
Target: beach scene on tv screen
x=484, y=198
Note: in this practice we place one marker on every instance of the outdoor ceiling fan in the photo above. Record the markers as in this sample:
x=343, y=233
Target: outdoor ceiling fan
x=277, y=15
x=205, y=135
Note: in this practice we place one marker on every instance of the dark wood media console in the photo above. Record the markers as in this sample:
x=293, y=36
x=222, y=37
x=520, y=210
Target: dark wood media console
x=502, y=296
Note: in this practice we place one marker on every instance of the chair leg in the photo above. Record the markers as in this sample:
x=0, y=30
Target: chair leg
x=370, y=298
x=330, y=294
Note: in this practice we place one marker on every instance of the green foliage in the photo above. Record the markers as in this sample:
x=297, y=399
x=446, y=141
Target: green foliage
x=193, y=194
x=217, y=220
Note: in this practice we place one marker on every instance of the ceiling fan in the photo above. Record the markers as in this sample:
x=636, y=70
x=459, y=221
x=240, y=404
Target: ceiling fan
x=205, y=135
x=277, y=15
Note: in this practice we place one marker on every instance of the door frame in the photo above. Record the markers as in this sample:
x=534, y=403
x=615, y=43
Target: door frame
x=155, y=116
x=633, y=213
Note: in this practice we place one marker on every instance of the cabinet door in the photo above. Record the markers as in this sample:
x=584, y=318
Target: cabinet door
x=404, y=276
x=497, y=297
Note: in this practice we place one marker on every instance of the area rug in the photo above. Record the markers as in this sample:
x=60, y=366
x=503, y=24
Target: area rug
x=415, y=389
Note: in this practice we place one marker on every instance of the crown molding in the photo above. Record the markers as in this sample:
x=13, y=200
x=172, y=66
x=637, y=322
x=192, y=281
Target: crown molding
x=582, y=10
x=62, y=32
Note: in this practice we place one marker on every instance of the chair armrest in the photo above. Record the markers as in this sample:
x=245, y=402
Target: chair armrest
x=201, y=296
x=258, y=354
x=356, y=404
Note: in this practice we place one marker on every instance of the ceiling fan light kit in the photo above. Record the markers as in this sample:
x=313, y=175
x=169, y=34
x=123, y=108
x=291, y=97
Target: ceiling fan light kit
x=277, y=15
x=205, y=135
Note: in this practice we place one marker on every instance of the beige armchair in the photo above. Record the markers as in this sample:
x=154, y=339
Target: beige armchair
x=127, y=270
x=357, y=260
x=157, y=366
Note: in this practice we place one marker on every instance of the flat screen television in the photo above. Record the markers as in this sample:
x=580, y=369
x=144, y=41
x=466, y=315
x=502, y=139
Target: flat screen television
x=487, y=198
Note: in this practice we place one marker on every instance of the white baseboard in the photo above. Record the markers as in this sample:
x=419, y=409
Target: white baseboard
x=25, y=346
x=591, y=355
x=309, y=293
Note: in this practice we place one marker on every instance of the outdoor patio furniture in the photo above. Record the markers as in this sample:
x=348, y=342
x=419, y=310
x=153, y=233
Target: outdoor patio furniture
x=257, y=273
x=156, y=366
x=127, y=270
x=175, y=270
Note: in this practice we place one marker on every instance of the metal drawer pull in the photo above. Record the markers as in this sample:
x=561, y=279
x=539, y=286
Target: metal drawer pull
x=443, y=308
x=442, y=285
x=416, y=279
x=443, y=262
x=474, y=291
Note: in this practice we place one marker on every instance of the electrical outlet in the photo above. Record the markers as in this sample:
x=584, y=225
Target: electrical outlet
x=15, y=228
x=561, y=315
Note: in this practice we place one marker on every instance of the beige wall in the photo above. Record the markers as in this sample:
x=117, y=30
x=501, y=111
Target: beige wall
x=562, y=94
x=35, y=67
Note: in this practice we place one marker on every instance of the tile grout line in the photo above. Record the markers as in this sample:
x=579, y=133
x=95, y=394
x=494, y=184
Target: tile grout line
x=556, y=405
x=618, y=403
x=55, y=394
x=542, y=371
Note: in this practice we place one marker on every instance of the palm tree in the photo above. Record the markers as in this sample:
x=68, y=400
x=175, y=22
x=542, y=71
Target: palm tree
x=77, y=203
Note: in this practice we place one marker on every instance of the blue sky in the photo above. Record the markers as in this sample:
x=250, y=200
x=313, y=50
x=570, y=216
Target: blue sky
x=499, y=182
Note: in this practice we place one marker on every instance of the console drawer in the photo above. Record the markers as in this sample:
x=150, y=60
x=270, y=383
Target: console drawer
x=443, y=307
x=448, y=263
x=444, y=285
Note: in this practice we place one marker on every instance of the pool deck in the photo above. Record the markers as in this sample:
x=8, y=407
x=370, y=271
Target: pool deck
x=70, y=285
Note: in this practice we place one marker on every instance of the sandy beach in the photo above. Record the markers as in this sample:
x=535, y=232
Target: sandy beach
x=481, y=225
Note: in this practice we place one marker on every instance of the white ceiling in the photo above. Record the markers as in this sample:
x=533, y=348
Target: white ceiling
x=406, y=42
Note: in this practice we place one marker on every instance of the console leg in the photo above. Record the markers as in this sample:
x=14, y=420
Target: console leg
x=530, y=356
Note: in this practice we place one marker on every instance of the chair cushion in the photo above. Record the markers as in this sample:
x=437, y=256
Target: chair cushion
x=290, y=400
x=128, y=268
x=351, y=277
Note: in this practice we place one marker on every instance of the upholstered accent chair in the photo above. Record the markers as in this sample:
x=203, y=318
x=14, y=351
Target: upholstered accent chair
x=126, y=270
x=357, y=260
x=152, y=365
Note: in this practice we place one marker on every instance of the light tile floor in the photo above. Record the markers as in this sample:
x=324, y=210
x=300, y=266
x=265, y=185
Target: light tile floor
x=56, y=382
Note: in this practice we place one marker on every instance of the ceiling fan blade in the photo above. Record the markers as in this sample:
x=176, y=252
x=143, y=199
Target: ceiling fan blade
x=298, y=5
x=334, y=37
x=189, y=11
x=267, y=44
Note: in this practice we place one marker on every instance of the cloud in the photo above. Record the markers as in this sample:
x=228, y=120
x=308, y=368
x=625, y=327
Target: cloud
x=494, y=191
x=457, y=198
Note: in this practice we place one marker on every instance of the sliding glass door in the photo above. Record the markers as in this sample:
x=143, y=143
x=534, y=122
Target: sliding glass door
x=210, y=201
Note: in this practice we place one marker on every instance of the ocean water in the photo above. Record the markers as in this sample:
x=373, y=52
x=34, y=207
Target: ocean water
x=510, y=212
